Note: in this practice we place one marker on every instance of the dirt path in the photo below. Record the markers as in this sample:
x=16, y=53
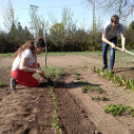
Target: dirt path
x=30, y=110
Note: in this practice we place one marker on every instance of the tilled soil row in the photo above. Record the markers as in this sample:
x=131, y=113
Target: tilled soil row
x=28, y=111
x=73, y=118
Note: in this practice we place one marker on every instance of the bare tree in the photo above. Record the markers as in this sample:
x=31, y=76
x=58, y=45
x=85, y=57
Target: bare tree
x=37, y=23
x=122, y=7
x=9, y=16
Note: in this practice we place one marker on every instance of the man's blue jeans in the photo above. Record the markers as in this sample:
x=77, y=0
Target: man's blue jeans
x=112, y=53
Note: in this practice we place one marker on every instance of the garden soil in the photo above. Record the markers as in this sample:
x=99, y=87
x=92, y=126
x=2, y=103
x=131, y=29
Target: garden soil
x=30, y=110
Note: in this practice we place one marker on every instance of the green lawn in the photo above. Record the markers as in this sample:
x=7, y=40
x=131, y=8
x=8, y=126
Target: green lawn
x=119, y=54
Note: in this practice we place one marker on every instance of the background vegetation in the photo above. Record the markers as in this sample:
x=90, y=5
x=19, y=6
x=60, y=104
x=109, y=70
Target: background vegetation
x=61, y=37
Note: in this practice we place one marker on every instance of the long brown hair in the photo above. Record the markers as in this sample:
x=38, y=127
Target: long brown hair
x=39, y=42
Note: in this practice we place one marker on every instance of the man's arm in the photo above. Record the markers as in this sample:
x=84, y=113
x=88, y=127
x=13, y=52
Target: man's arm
x=123, y=42
x=107, y=41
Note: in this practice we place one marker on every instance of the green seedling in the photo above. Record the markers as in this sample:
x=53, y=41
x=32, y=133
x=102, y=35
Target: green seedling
x=132, y=113
x=117, y=80
x=96, y=98
x=103, y=98
x=94, y=69
x=114, y=109
x=77, y=77
x=118, y=109
x=54, y=82
x=2, y=84
x=102, y=73
x=124, y=80
x=80, y=82
x=98, y=89
x=76, y=73
x=131, y=84
x=98, y=71
x=87, y=88
x=110, y=75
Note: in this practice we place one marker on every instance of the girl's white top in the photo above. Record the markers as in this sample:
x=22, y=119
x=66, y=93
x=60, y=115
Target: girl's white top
x=26, y=54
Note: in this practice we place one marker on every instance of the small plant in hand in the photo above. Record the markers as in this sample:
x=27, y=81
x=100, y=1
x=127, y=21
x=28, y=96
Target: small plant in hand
x=2, y=84
x=118, y=109
x=103, y=98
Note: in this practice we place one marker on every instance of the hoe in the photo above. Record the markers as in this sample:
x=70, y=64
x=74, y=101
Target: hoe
x=125, y=51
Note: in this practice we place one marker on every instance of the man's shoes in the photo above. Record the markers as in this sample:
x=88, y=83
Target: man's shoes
x=13, y=84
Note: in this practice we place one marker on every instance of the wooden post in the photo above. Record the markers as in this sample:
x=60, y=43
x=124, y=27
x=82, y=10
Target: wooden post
x=45, y=49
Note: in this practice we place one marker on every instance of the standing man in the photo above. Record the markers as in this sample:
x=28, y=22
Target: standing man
x=109, y=37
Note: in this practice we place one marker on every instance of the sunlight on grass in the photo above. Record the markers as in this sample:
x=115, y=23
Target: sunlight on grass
x=53, y=72
x=119, y=54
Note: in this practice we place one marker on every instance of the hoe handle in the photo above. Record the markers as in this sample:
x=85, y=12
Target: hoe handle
x=125, y=51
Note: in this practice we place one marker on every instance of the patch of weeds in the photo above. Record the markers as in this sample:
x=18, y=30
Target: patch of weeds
x=80, y=82
x=87, y=88
x=103, y=98
x=77, y=77
x=2, y=84
x=76, y=73
x=53, y=72
x=98, y=89
x=92, y=88
x=118, y=109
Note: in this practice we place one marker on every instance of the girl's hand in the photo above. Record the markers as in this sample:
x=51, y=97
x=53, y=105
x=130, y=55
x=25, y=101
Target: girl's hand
x=40, y=72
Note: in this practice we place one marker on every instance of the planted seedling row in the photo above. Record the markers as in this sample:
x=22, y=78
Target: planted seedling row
x=55, y=119
x=123, y=81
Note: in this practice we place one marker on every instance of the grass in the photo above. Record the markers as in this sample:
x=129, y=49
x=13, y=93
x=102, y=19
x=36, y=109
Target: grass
x=53, y=72
x=2, y=84
x=7, y=55
x=119, y=54
x=56, y=53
